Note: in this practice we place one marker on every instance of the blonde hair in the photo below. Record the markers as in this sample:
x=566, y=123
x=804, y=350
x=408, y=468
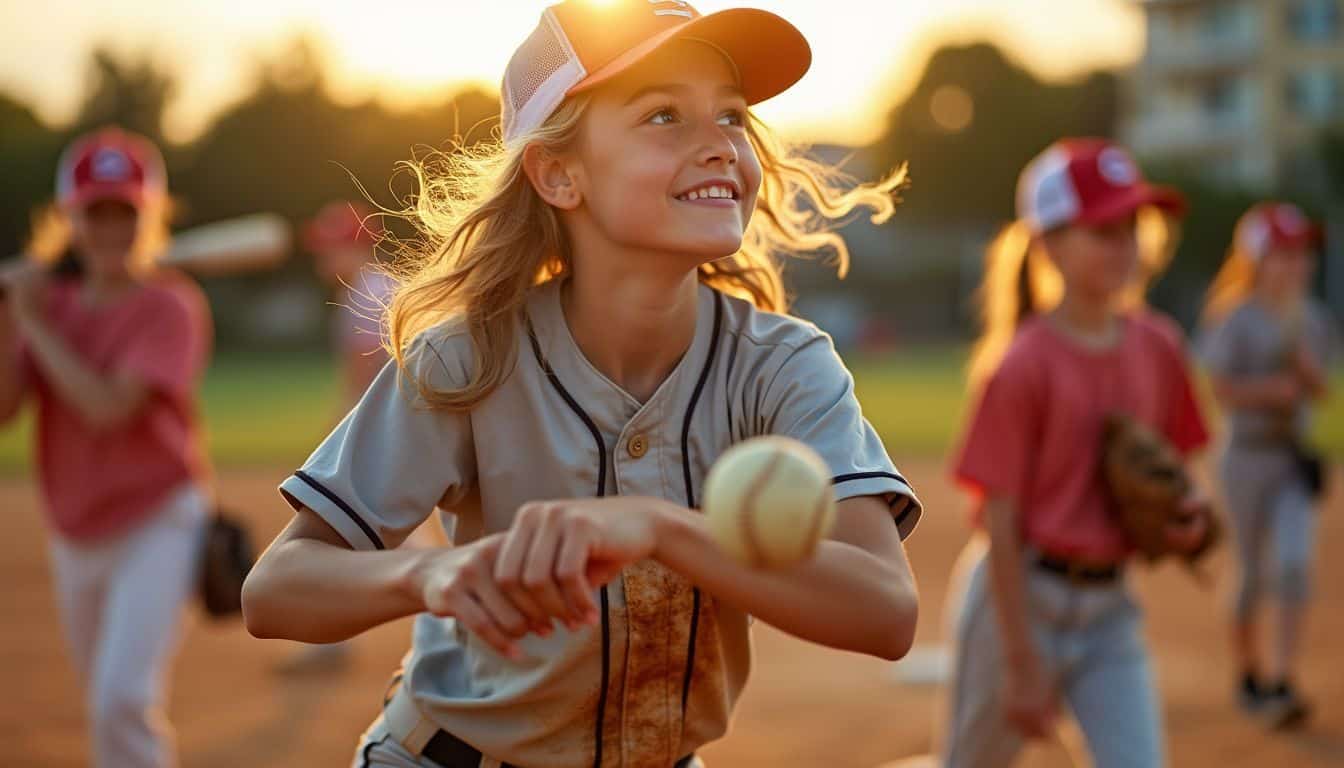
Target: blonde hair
x=53, y=234
x=1021, y=281
x=1233, y=284
x=486, y=239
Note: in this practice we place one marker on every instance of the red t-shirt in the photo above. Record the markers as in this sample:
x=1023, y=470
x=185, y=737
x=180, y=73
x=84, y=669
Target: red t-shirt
x=98, y=483
x=1036, y=432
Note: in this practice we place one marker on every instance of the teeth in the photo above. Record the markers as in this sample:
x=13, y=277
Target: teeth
x=714, y=192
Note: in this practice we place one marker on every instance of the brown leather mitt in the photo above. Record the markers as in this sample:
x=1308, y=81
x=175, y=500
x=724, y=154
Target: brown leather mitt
x=1147, y=481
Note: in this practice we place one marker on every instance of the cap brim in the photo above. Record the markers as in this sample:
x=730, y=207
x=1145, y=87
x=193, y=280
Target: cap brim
x=1139, y=196
x=770, y=54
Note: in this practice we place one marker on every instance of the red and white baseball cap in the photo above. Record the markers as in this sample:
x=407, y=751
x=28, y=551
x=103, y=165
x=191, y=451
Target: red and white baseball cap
x=1272, y=225
x=1087, y=181
x=110, y=164
x=579, y=44
x=342, y=223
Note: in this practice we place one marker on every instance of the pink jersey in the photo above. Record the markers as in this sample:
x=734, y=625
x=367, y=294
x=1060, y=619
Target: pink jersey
x=1035, y=434
x=96, y=482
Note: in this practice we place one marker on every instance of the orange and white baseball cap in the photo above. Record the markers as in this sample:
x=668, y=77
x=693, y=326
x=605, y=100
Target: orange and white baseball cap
x=1087, y=181
x=110, y=164
x=579, y=44
x=1274, y=225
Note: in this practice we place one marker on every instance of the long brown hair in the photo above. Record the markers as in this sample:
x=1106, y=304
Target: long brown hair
x=486, y=239
x=1232, y=285
x=1021, y=281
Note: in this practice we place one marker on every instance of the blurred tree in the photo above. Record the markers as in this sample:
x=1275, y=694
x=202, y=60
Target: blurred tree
x=1331, y=152
x=28, y=152
x=288, y=147
x=132, y=94
x=971, y=124
x=1332, y=157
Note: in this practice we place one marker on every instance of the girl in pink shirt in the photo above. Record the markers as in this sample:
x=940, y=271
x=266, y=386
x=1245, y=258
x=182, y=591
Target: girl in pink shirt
x=1046, y=616
x=111, y=355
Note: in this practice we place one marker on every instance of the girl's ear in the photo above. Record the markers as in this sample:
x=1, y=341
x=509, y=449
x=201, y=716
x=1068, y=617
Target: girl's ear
x=551, y=178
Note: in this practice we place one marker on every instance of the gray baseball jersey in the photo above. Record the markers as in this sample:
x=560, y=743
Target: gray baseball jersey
x=659, y=677
x=1252, y=341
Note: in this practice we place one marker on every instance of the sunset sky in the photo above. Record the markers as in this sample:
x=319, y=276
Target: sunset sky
x=866, y=52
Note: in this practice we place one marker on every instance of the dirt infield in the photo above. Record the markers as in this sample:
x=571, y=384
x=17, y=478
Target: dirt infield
x=805, y=706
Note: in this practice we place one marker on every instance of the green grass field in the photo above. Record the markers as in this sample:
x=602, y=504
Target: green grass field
x=274, y=410
x=258, y=412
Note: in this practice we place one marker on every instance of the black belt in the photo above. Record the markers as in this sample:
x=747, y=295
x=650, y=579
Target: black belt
x=1079, y=573
x=451, y=752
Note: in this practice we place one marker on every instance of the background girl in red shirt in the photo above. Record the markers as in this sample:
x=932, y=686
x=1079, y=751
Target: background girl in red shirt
x=1046, y=614
x=111, y=353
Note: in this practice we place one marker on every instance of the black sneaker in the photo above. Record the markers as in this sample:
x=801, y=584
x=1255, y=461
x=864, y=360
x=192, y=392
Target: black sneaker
x=1283, y=708
x=1251, y=695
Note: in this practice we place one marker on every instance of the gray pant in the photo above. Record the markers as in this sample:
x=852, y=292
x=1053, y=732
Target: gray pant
x=1273, y=525
x=1090, y=641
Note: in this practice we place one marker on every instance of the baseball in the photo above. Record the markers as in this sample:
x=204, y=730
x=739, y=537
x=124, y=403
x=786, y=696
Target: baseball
x=769, y=502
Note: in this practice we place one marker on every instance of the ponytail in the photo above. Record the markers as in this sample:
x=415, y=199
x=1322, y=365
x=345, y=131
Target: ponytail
x=1019, y=282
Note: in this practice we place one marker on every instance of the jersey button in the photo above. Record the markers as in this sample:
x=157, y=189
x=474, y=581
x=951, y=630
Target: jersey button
x=637, y=446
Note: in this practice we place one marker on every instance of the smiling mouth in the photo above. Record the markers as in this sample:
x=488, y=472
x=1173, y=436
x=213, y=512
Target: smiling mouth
x=709, y=192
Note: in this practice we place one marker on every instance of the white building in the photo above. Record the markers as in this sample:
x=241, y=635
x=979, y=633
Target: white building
x=1238, y=88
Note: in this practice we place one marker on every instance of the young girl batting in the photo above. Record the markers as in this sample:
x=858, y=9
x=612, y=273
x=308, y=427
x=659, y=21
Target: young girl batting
x=594, y=324
x=1269, y=350
x=110, y=353
x=1046, y=618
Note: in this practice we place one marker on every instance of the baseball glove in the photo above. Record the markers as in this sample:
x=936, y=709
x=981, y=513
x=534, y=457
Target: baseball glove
x=1147, y=482
x=226, y=557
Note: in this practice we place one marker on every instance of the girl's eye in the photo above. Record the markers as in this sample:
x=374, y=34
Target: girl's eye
x=664, y=116
x=733, y=117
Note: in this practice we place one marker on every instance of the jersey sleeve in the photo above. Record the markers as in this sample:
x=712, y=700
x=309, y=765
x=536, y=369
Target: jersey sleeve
x=393, y=459
x=1185, y=425
x=997, y=449
x=811, y=399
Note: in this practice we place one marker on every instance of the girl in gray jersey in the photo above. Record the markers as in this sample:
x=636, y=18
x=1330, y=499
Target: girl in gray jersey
x=593, y=321
x=1269, y=347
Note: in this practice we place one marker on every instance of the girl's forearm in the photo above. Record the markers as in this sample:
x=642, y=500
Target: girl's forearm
x=1248, y=391
x=1007, y=581
x=99, y=400
x=1315, y=379
x=844, y=597
x=312, y=591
